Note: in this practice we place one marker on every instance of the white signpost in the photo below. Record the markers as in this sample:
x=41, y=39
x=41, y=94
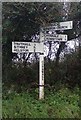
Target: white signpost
x=26, y=47
x=60, y=26
x=57, y=37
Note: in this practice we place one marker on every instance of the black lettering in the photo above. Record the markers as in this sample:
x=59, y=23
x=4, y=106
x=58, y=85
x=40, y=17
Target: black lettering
x=14, y=46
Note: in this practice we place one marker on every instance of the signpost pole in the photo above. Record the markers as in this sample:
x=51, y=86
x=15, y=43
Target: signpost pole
x=41, y=77
x=25, y=47
x=41, y=70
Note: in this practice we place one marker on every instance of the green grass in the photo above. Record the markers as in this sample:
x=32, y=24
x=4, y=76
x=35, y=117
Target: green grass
x=60, y=104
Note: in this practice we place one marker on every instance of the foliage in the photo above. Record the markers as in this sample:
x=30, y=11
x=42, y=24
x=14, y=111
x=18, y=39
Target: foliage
x=20, y=99
x=21, y=21
x=20, y=81
x=67, y=73
x=61, y=104
x=19, y=76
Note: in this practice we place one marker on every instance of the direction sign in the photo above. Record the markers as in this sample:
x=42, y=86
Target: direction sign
x=57, y=37
x=25, y=47
x=60, y=26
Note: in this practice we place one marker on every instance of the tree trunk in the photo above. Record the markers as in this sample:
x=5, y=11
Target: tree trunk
x=61, y=47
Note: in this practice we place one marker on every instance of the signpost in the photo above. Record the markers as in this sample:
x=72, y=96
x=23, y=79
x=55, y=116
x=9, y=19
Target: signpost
x=57, y=37
x=26, y=47
x=60, y=26
x=32, y=47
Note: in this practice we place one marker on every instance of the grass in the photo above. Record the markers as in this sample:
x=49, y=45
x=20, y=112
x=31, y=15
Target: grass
x=60, y=104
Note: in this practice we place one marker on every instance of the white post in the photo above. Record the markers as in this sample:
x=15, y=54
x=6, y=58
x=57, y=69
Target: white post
x=41, y=70
x=41, y=77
